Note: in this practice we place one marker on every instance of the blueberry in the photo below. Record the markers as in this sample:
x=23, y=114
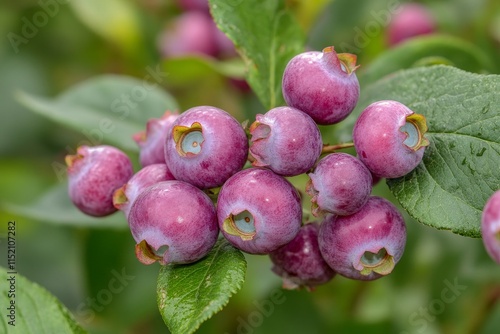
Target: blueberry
x=258, y=211
x=152, y=141
x=410, y=20
x=94, y=173
x=365, y=245
x=173, y=222
x=389, y=138
x=286, y=140
x=490, y=226
x=300, y=263
x=124, y=196
x=340, y=184
x=205, y=146
x=322, y=84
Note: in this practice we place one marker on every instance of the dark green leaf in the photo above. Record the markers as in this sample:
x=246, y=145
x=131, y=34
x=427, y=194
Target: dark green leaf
x=449, y=49
x=267, y=36
x=56, y=207
x=461, y=167
x=190, y=294
x=35, y=310
x=109, y=108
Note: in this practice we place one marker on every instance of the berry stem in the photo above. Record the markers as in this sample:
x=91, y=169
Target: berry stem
x=332, y=148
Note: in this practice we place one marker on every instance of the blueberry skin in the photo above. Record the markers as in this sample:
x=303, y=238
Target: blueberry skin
x=490, y=226
x=340, y=184
x=222, y=150
x=343, y=240
x=381, y=143
x=125, y=195
x=285, y=140
x=322, y=84
x=94, y=173
x=267, y=202
x=173, y=222
x=152, y=141
x=410, y=20
x=300, y=263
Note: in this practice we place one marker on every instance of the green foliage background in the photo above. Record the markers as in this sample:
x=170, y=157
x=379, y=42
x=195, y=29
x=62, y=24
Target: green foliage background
x=76, y=261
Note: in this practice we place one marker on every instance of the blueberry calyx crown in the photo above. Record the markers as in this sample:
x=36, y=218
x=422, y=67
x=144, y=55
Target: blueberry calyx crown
x=146, y=254
x=119, y=197
x=188, y=140
x=346, y=61
x=415, y=129
x=381, y=262
x=241, y=224
x=71, y=159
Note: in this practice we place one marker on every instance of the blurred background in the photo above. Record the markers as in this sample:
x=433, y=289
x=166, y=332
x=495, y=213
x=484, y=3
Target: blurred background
x=444, y=283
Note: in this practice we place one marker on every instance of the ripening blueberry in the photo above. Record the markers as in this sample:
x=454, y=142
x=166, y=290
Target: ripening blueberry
x=173, y=222
x=490, y=226
x=94, y=173
x=410, y=20
x=322, y=84
x=152, y=141
x=389, y=138
x=340, y=184
x=285, y=140
x=258, y=211
x=205, y=146
x=124, y=196
x=365, y=245
x=300, y=263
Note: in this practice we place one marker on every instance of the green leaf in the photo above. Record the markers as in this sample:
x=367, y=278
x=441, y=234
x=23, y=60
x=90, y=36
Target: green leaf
x=461, y=167
x=108, y=108
x=56, y=207
x=35, y=310
x=267, y=36
x=190, y=294
x=455, y=51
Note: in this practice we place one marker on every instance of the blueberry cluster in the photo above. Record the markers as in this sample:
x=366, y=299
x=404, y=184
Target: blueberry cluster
x=196, y=180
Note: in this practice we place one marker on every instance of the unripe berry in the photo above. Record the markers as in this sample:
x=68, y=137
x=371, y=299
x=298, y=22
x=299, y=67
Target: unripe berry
x=411, y=19
x=258, y=211
x=94, y=173
x=490, y=226
x=300, y=263
x=322, y=84
x=389, y=138
x=205, y=146
x=285, y=140
x=173, y=222
x=365, y=245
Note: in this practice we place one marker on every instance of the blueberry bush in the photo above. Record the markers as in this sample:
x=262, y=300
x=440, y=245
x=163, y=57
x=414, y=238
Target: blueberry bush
x=250, y=166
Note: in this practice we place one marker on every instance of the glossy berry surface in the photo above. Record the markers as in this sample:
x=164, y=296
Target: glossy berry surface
x=411, y=20
x=322, y=84
x=365, y=245
x=124, y=196
x=389, y=138
x=258, y=211
x=300, y=263
x=183, y=233
x=286, y=140
x=205, y=147
x=94, y=173
x=152, y=141
x=340, y=184
x=490, y=226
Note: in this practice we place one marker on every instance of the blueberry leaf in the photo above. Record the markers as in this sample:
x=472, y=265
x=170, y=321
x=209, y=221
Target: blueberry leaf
x=190, y=294
x=55, y=207
x=427, y=50
x=34, y=309
x=461, y=167
x=267, y=36
x=108, y=108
